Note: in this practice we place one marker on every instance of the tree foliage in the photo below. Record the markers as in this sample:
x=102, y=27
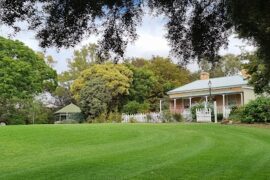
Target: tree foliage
x=95, y=98
x=143, y=84
x=82, y=60
x=114, y=79
x=259, y=72
x=62, y=96
x=133, y=107
x=22, y=72
x=153, y=78
x=25, y=111
x=116, y=76
x=195, y=29
x=228, y=65
x=168, y=74
x=257, y=110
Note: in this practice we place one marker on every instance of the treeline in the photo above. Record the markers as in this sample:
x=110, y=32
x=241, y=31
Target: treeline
x=132, y=86
x=102, y=89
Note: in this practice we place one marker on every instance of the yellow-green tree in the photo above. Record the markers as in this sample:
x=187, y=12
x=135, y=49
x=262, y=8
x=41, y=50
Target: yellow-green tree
x=117, y=79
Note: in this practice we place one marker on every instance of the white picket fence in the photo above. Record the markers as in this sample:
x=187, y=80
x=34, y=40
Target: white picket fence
x=142, y=118
x=203, y=115
x=187, y=114
x=224, y=110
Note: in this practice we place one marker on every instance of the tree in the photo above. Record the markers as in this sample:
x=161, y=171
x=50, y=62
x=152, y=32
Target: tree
x=95, y=98
x=138, y=62
x=196, y=29
x=25, y=111
x=48, y=59
x=133, y=107
x=153, y=78
x=143, y=84
x=23, y=73
x=258, y=72
x=62, y=96
x=117, y=78
x=82, y=60
x=168, y=74
x=228, y=65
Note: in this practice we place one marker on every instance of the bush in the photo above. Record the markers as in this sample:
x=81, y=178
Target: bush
x=178, y=117
x=219, y=117
x=68, y=121
x=115, y=117
x=131, y=107
x=25, y=111
x=236, y=113
x=134, y=107
x=133, y=120
x=257, y=111
x=100, y=119
x=103, y=118
x=167, y=116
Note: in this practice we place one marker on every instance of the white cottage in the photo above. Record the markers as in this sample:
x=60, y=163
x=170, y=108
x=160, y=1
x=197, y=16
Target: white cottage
x=226, y=91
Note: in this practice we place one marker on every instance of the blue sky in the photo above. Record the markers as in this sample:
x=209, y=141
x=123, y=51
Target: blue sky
x=151, y=42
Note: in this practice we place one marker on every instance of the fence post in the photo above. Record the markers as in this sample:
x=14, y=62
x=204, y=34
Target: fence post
x=215, y=111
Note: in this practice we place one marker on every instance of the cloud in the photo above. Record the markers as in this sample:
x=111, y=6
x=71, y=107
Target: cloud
x=151, y=39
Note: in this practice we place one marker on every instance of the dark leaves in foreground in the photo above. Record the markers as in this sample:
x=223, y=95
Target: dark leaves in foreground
x=196, y=29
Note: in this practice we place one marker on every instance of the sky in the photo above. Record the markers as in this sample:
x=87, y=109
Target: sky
x=151, y=42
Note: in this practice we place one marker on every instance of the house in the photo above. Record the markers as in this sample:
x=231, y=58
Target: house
x=69, y=112
x=226, y=91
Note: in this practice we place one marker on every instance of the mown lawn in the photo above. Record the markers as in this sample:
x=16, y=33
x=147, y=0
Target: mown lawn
x=134, y=151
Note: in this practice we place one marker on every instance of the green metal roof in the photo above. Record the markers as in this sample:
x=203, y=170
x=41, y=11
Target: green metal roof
x=71, y=108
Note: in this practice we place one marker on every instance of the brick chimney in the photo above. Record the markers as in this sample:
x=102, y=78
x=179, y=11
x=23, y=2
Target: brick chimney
x=245, y=74
x=204, y=76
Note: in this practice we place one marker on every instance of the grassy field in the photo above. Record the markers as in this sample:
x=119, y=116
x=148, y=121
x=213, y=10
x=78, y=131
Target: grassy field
x=134, y=151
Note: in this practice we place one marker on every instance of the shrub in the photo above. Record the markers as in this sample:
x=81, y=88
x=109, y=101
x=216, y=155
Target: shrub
x=236, y=113
x=257, y=111
x=134, y=107
x=167, y=116
x=178, y=117
x=68, y=121
x=25, y=111
x=100, y=119
x=219, y=116
x=131, y=107
x=133, y=120
x=115, y=117
x=144, y=108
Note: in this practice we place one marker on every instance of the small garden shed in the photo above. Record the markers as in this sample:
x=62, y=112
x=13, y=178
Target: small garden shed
x=69, y=112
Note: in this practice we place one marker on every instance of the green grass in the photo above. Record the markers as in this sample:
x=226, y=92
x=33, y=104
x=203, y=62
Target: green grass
x=134, y=151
